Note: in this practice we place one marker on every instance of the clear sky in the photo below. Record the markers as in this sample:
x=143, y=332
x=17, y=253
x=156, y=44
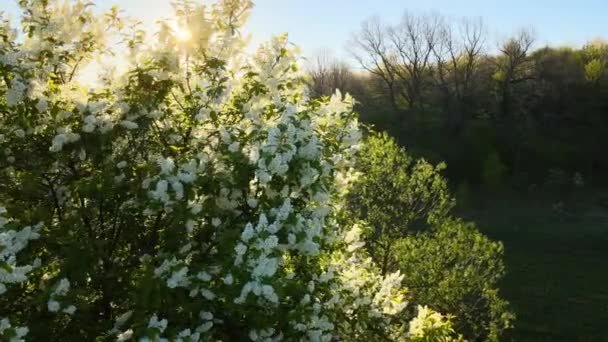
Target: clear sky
x=317, y=24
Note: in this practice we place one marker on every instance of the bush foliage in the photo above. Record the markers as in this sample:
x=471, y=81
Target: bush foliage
x=448, y=264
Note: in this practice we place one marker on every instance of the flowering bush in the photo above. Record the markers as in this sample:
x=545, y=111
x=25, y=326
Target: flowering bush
x=194, y=197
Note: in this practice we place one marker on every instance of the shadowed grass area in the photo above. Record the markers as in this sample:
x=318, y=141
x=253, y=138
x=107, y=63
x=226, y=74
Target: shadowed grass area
x=557, y=264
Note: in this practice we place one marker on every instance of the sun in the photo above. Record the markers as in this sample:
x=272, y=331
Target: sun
x=182, y=34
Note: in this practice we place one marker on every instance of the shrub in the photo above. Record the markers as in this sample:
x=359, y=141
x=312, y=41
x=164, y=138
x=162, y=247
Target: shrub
x=447, y=263
x=456, y=269
x=398, y=195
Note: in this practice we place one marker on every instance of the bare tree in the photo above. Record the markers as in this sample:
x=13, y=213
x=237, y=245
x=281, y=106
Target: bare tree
x=514, y=66
x=457, y=53
x=318, y=69
x=372, y=51
x=328, y=74
x=412, y=41
x=401, y=56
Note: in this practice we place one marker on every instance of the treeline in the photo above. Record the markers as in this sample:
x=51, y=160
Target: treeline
x=498, y=114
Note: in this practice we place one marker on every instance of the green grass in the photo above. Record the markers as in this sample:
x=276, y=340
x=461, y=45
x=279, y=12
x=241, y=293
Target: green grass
x=557, y=265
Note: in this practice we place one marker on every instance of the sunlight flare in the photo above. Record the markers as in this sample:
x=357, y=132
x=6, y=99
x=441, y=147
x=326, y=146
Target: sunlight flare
x=181, y=33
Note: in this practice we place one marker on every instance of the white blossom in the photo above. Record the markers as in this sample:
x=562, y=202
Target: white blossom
x=130, y=125
x=125, y=336
x=167, y=165
x=53, y=306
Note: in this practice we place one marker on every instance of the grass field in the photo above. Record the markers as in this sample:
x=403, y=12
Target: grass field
x=557, y=264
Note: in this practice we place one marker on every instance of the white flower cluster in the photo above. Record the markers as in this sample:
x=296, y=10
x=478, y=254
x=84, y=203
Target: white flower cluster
x=11, y=243
x=15, y=93
x=64, y=136
x=119, y=323
x=156, y=328
x=60, y=291
x=169, y=179
x=11, y=333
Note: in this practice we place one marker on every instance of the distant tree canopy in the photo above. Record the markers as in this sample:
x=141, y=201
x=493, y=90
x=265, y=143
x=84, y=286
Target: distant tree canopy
x=432, y=83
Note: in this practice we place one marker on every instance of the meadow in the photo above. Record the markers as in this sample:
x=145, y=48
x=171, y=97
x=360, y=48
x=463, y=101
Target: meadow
x=556, y=263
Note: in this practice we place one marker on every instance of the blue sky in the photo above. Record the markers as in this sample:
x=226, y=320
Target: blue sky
x=317, y=24
x=314, y=24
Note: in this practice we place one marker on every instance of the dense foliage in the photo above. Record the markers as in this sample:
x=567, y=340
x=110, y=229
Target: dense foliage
x=397, y=195
x=197, y=196
x=448, y=264
x=457, y=269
